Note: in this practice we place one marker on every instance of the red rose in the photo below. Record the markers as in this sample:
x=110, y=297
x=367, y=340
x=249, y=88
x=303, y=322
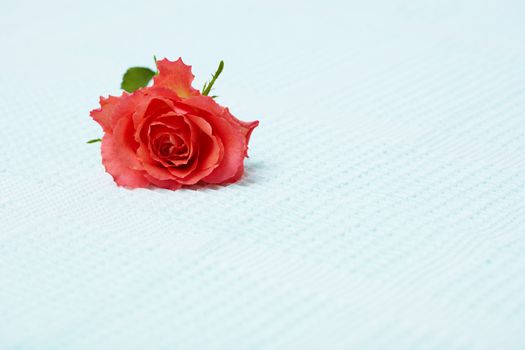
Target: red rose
x=170, y=135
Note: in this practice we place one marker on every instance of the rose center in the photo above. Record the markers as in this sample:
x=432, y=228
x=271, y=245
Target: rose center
x=170, y=146
x=165, y=149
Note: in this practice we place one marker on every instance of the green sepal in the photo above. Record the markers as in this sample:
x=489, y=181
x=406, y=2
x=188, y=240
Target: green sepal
x=94, y=141
x=207, y=86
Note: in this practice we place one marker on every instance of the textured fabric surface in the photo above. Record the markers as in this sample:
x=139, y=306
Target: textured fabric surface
x=383, y=205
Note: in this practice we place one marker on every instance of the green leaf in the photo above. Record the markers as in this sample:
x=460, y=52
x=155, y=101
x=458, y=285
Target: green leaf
x=136, y=78
x=207, y=87
x=94, y=141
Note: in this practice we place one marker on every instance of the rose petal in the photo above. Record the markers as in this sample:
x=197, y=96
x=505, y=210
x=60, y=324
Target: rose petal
x=168, y=184
x=182, y=130
x=103, y=114
x=209, y=105
x=210, y=153
x=234, y=147
x=231, y=135
x=150, y=108
x=122, y=175
x=145, y=114
x=157, y=171
x=160, y=131
x=205, y=103
x=183, y=173
x=123, y=136
x=176, y=76
x=246, y=127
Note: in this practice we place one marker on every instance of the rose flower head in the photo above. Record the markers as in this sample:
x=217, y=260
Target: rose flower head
x=170, y=134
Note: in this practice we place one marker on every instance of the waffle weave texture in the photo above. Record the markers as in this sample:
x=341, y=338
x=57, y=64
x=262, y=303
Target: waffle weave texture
x=383, y=205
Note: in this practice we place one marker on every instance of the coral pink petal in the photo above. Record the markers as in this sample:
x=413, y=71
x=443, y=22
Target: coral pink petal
x=237, y=175
x=168, y=184
x=123, y=136
x=210, y=153
x=157, y=171
x=150, y=108
x=103, y=115
x=122, y=175
x=205, y=103
x=246, y=127
x=185, y=173
x=176, y=127
x=209, y=105
x=176, y=76
x=234, y=151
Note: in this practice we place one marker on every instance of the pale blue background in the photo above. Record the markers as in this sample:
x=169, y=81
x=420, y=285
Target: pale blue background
x=383, y=205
